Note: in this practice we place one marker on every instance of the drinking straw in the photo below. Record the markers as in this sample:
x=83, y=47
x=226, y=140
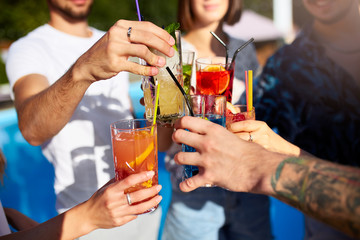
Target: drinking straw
x=156, y=106
x=250, y=91
x=247, y=89
x=226, y=48
x=179, y=45
x=242, y=47
x=138, y=10
x=181, y=90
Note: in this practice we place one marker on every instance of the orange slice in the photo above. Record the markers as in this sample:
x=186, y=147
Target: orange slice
x=232, y=108
x=148, y=183
x=214, y=68
x=139, y=159
x=221, y=75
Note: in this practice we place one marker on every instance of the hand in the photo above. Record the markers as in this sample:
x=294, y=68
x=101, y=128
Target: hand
x=110, y=54
x=262, y=134
x=108, y=207
x=223, y=159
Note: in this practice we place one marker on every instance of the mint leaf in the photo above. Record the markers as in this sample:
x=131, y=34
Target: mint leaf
x=171, y=29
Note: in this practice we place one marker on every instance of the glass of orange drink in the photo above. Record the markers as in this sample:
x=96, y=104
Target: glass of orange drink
x=214, y=76
x=134, y=145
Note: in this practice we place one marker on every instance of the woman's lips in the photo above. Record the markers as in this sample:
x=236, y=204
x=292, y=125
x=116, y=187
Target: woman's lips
x=211, y=7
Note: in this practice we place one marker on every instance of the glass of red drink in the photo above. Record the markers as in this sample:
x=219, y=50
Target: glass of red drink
x=214, y=76
x=237, y=113
x=134, y=143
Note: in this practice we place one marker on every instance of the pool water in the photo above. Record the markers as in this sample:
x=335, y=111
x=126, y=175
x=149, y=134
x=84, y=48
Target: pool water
x=29, y=177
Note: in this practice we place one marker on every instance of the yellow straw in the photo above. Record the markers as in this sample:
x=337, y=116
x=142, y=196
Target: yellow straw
x=250, y=91
x=156, y=106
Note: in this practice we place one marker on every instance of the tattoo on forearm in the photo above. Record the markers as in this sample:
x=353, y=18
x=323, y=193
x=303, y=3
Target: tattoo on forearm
x=321, y=189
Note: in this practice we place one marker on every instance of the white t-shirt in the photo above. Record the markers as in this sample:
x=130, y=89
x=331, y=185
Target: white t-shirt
x=81, y=152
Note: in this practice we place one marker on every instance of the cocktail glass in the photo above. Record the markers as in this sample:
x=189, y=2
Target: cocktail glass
x=188, y=58
x=135, y=150
x=237, y=113
x=209, y=107
x=171, y=105
x=214, y=77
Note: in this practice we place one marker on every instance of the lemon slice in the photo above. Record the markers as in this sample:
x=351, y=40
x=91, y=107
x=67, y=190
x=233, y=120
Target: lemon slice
x=139, y=159
x=232, y=108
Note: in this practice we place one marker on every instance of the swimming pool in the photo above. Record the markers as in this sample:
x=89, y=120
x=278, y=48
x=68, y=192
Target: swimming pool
x=29, y=177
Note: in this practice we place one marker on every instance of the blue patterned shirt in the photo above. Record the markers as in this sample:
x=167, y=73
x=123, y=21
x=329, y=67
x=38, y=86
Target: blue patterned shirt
x=311, y=101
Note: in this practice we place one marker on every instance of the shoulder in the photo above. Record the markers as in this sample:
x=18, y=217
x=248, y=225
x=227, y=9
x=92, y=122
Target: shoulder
x=289, y=58
x=37, y=37
x=301, y=50
x=38, y=33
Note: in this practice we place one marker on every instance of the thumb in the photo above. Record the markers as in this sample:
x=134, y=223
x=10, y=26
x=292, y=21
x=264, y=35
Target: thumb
x=192, y=183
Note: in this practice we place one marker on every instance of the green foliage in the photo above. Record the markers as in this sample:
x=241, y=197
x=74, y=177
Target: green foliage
x=160, y=12
x=3, y=77
x=171, y=28
x=106, y=12
x=18, y=17
x=264, y=7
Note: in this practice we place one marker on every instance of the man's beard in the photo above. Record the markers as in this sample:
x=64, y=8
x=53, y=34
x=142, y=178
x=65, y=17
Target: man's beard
x=68, y=13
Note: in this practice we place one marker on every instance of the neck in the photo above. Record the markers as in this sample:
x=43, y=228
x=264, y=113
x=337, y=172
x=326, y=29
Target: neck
x=203, y=40
x=76, y=28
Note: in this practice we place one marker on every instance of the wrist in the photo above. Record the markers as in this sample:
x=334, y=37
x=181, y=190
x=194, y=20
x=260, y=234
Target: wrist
x=269, y=170
x=81, y=221
x=80, y=73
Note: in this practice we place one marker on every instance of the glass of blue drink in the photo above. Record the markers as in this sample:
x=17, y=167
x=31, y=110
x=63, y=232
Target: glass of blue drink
x=209, y=107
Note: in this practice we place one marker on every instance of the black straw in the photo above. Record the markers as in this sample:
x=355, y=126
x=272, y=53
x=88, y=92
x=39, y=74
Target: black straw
x=242, y=47
x=226, y=48
x=181, y=90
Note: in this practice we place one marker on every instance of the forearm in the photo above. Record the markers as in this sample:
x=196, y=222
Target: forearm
x=65, y=226
x=44, y=114
x=323, y=190
x=18, y=220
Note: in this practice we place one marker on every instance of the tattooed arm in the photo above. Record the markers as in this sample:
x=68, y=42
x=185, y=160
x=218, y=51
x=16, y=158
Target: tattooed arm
x=326, y=191
x=323, y=190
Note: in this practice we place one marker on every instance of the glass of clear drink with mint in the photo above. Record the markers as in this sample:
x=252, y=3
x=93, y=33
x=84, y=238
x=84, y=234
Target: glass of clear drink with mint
x=171, y=104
